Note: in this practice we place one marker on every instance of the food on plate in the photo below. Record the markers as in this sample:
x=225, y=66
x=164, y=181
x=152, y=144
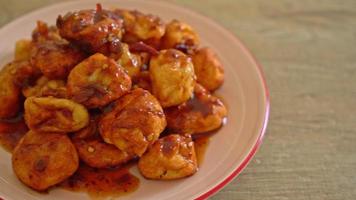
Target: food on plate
x=141, y=27
x=93, y=30
x=202, y=113
x=172, y=77
x=103, y=90
x=9, y=92
x=46, y=87
x=181, y=36
x=55, y=57
x=208, y=68
x=129, y=61
x=94, y=151
x=41, y=160
x=170, y=157
x=49, y=114
x=97, y=81
x=134, y=123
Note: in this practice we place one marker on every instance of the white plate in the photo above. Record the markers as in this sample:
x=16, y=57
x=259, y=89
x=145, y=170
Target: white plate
x=244, y=91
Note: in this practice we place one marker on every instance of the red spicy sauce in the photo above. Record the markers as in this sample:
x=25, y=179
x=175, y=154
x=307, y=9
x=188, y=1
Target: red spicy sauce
x=102, y=183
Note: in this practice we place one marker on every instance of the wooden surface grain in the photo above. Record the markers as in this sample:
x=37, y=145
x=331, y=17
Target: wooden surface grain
x=307, y=50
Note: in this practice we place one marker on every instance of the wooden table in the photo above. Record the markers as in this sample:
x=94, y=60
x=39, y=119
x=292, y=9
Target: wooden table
x=308, y=51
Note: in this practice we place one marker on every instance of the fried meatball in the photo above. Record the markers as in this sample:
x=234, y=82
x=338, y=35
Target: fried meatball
x=48, y=114
x=94, y=151
x=97, y=81
x=208, y=68
x=204, y=112
x=9, y=92
x=23, y=50
x=41, y=160
x=180, y=36
x=141, y=27
x=171, y=157
x=55, y=59
x=172, y=76
x=136, y=121
x=93, y=30
x=129, y=61
x=45, y=87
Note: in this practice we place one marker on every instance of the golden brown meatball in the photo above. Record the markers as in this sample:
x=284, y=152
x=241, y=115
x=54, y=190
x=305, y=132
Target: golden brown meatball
x=48, y=114
x=180, y=36
x=141, y=27
x=9, y=92
x=55, y=59
x=208, y=68
x=129, y=61
x=202, y=113
x=171, y=157
x=94, y=30
x=136, y=121
x=97, y=81
x=172, y=77
x=94, y=151
x=45, y=87
x=41, y=160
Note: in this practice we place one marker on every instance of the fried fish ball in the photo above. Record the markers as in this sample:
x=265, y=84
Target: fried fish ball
x=41, y=160
x=55, y=59
x=170, y=157
x=23, y=50
x=208, y=68
x=129, y=61
x=142, y=27
x=94, y=30
x=94, y=151
x=9, y=92
x=172, y=76
x=49, y=114
x=180, y=36
x=200, y=114
x=135, y=122
x=97, y=81
x=45, y=87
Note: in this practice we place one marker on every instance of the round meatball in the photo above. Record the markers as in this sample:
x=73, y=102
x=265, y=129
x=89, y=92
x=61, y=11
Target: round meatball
x=172, y=77
x=136, y=121
x=202, y=113
x=180, y=36
x=45, y=87
x=48, y=114
x=97, y=81
x=41, y=160
x=94, y=151
x=55, y=59
x=93, y=30
x=141, y=27
x=208, y=68
x=171, y=157
x=9, y=92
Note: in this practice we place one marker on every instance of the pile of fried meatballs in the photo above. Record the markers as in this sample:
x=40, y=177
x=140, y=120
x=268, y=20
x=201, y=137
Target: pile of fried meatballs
x=104, y=87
